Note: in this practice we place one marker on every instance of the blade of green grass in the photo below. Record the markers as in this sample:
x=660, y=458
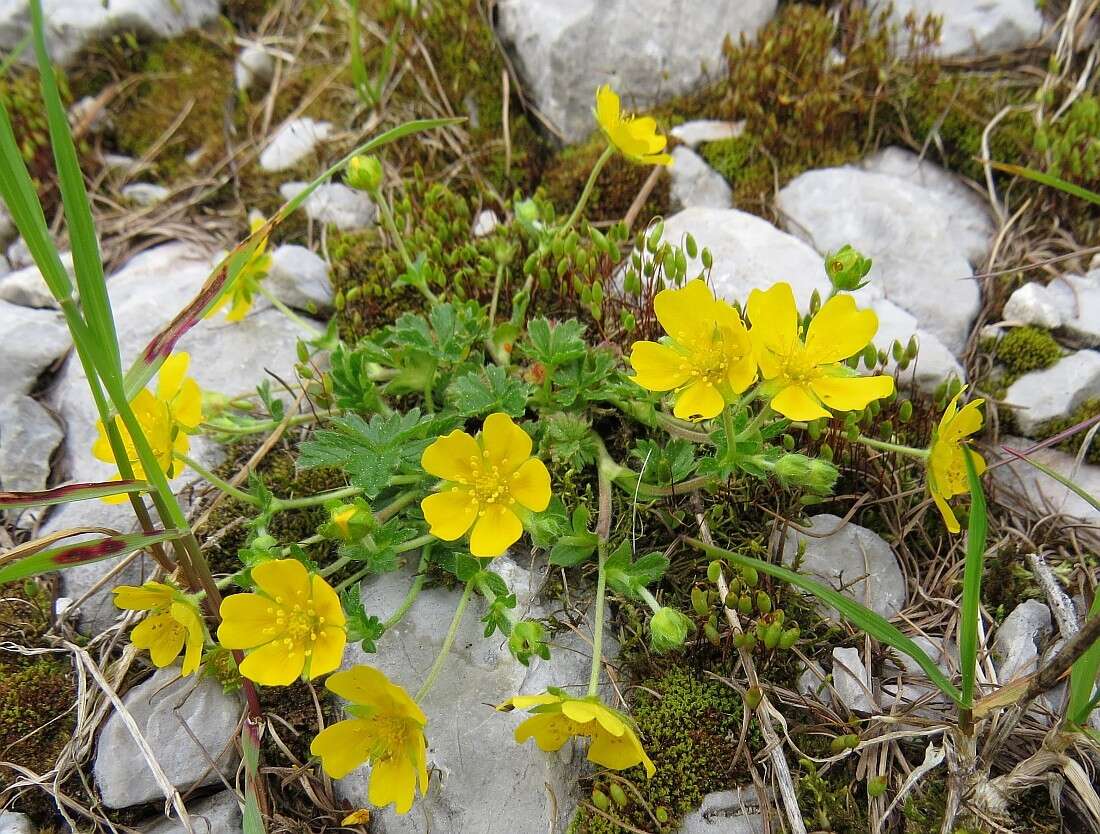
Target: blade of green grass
x=81, y=553
x=253, y=821
x=1083, y=678
x=1048, y=180
x=862, y=618
x=970, y=611
x=1059, y=477
x=68, y=494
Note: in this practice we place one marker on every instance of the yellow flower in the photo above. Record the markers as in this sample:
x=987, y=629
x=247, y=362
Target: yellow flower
x=386, y=729
x=559, y=717
x=246, y=283
x=490, y=482
x=637, y=139
x=803, y=374
x=708, y=358
x=293, y=624
x=165, y=419
x=946, y=472
x=173, y=623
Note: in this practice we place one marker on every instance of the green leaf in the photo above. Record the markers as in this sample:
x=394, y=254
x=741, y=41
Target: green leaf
x=352, y=386
x=628, y=578
x=670, y=463
x=491, y=389
x=13, y=565
x=1083, y=677
x=446, y=335
x=578, y=546
x=553, y=345
x=68, y=494
x=1048, y=180
x=567, y=440
x=970, y=610
x=547, y=527
x=378, y=549
x=592, y=379
x=373, y=452
x=363, y=628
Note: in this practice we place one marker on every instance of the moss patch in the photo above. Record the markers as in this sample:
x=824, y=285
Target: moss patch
x=1025, y=349
x=1071, y=445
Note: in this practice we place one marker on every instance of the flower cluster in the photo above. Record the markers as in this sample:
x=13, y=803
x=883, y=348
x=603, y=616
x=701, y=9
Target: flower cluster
x=173, y=624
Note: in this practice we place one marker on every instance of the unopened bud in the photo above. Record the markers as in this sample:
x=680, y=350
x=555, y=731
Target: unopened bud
x=364, y=173
x=847, y=268
x=668, y=629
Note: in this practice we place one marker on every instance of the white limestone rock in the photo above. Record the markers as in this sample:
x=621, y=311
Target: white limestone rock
x=736, y=811
x=29, y=434
x=15, y=823
x=695, y=133
x=694, y=184
x=33, y=340
x=299, y=278
x=934, y=362
x=292, y=143
x=852, y=682
x=334, y=203
x=1042, y=492
x=218, y=814
x=18, y=254
x=1019, y=639
x=7, y=225
x=485, y=222
x=145, y=193
x=27, y=288
x=1069, y=305
x=647, y=50
x=1040, y=396
x=253, y=68
x=975, y=27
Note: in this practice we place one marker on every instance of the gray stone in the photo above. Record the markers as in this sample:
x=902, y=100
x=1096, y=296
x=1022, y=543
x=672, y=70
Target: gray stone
x=1070, y=304
x=852, y=681
x=15, y=823
x=335, y=204
x=253, y=68
x=145, y=193
x=853, y=560
x=482, y=781
x=647, y=50
x=33, y=340
x=299, y=278
x=975, y=28
x=1043, y=493
x=71, y=24
x=90, y=111
x=218, y=814
x=27, y=288
x=485, y=222
x=18, y=254
x=934, y=362
x=7, y=226
x=1043, y=395
x=162, y=707
x=921, y=246
x=697, y=132
x=905, y=684
x=726, y=812
x=292, y=143
x=1019, y=639
x=28, y=436
x=696, y=184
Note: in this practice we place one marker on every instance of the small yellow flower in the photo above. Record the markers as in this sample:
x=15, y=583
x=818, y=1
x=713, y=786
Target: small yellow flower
x=802, y=373
x=293, y=624
x=637, y=139
x=489, y=483
x=360, y=817
x=166, y=418
x=559, y=717
x=173, y=623
x=247, y=281
x=386, y=730
x=946, y=472
x=708, y=357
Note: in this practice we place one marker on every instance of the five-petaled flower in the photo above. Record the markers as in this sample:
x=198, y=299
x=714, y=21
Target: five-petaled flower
x=165, y=418
x=803, y=374
x=173, y=624
x=490, y=482
x=708, y=357
x=946, y=472
x=557, y=717
x=636, y=138
x=246, y=283
x=293, y=624
x=386, y=730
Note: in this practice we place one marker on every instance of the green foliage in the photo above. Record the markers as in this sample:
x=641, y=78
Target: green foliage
x=1071, y=445
x=628, y=576
x=479, y=393
x=1072, y=142
x=1029, y=348
x=20, y=95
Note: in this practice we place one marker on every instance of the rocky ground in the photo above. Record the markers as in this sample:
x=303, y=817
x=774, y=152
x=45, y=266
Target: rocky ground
x=190, y=115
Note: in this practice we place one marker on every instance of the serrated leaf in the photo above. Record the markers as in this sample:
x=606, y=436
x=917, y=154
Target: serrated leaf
x=363, y=628
x=486, y=391
x=554, y=344
x=628, y=578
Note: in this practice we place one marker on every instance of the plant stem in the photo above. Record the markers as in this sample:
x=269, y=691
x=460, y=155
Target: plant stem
x=290, y=314
x=603, y=530
x=727, y=425
x=588, y=186
x=221, y=484
x=448, y=641
x=892, y=447
x=314, y=500
x=391, y=227
x=650, y=600
x=395, y=506
x=414, y=590
x=266, y=425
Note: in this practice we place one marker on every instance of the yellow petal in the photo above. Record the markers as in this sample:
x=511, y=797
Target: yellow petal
x=449, y=513
x=364, y=685
x=275, y=664
x=530, y=485
x=684, y=312
x=506, y=444
x=245, y=618
x=328, y=651
x=497, y=528
x=607, y=107
x=795, y=402
x=187, y=406
x=326, y=602
x=774, y=316
x=585, y=711
x=189, y=618
x=951, y=410
x=171, y=375
x=101, y=449
x=454, y=457
x=284, y=580
x=851, y=393
x=420, y=759
x=742, y=373
x=658, y=367
x=550, y=731
x=839, y=330
x=949, y=519
x=343, y=746
x=965, y=423
x=528, y=701
x=699, y=401
x=162, y=636
x=619, y=753
x=393, y=780
x=143, y=597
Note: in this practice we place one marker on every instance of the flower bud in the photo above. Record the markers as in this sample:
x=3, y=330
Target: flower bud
x=753, y=697
x=847, y=268
x=714, y=570
x=744, y=605
x=763, y=602
x=618, y=795
x=712, y=634
x=668, y=629
x=876, y=786
x=600, y=800
x=815, y=475
x=788, y=638
x=364, y=173
x=349, y=522
x=699, y=602
x=772, y=635
x=750, y=576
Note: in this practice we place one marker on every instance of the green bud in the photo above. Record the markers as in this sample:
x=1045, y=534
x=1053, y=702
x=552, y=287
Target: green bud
x=711, y=631
x=912, y=348
x=826, y=452
x=814, y=428
x=896, y=350
x=763, y=602
x=876, y=786
x=714, y=570
x=772, y=634
x=886, y=429
x=870, y=356
x=668, y=629
x=845, y=742
x=788, y=638
x=661, y=813
x=707, y=258
x=618, y=794
x=600, y=800
x=815, y=302
x=750, y=576
x=847, y=268
x=691, y=246
x=699, y=602
x=905, y=411
x=788, y=442
x=528, y=639
x=799, y=470
x=744, y=605
x=364, y=173
x=746, y=641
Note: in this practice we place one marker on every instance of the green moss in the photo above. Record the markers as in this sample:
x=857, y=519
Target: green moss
x=1073, y=142
x=689, y=725
x=1025, y=349
x=1071, y=445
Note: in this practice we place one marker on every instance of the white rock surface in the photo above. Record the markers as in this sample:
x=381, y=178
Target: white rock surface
x=334, y=203
x=854, y=560
x=485, y=222
x=647, y=50
x=726, y=812
x=70, y=24
x=15, y=823
x=29, y=434
x=934, y=362
x=922, y=239
x=1043, y=395
x=18, y=254
x=33, y=340
x=697, y=132
x=905, y=685
x=975, y=27
x=27, y=288
x=145, y=193
x=292, y=143
x=218, y=814
x=1018, y=641
x=299, y=278
x=254, y=67
x=1070, y=304
x=852, y=681
x=696, y=184
x=1042, y=492
x=161, y=707
x=482, y=781
x=7, y=225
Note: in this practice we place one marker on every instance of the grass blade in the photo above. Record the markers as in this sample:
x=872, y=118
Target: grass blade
x=253, y=821
x=161, y=345
x=1048, y=180
x=861, y=617
x=68, y=494
x=976, y=533
x=23, y=561
x=1083, y=678
x=1085, y=496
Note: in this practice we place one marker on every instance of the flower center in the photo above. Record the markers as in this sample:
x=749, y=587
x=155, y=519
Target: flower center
x=296, y=621
x=709, y=361
x=490, y=485
x=391, y=737
x=797, y=367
